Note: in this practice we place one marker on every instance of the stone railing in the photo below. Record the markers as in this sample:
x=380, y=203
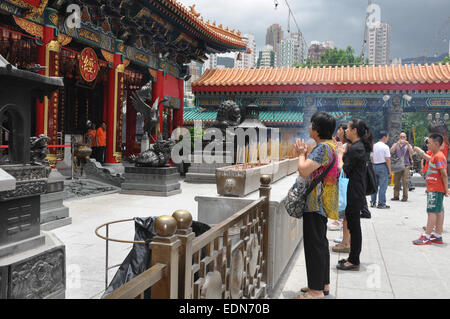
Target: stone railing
x=213, y=265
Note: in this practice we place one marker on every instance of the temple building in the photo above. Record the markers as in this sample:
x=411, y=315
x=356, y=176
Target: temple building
x=287, y=97
x=105, y=50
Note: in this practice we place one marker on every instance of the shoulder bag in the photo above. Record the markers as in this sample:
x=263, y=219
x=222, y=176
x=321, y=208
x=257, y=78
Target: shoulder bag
x=295, y=201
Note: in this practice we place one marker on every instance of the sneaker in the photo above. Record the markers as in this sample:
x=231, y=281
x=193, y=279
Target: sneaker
x=338, y=240
x=436, y=240
x=422, y=241
x=383, y=206
x=373, y=204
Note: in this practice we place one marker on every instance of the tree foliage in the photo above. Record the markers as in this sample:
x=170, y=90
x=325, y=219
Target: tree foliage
x=446, y=59
x=334, y=57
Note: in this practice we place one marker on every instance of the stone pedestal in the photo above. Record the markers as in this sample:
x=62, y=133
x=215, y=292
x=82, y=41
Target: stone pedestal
x=151, y=181
x=53, y=213
x=36, y=273
x=32, y=263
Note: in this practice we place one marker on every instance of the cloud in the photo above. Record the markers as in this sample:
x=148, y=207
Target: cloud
x=415, y=23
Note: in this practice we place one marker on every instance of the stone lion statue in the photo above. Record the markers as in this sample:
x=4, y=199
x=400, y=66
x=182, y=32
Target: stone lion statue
x=227, y=115
x=39, y=148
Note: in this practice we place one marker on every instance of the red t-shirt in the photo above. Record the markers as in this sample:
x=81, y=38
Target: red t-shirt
x=101, y=137
x=433, y=173
x=444, y=150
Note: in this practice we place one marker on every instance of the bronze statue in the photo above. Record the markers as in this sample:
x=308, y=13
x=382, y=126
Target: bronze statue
x=150, y=113
x=39, y=148
x=158, y=155
x=227, y=115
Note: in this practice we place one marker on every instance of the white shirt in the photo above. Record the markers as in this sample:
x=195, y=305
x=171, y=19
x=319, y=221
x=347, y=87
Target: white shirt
x=380, y=153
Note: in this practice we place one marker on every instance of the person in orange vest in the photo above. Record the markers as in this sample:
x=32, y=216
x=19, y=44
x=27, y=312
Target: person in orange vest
x=101, y=143
x=91, y=139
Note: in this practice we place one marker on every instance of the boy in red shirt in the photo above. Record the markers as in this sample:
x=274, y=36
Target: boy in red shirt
x=437, y=188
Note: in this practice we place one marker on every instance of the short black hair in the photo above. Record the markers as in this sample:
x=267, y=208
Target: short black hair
x=437, y=138
x=382, y=134
x=324, y=124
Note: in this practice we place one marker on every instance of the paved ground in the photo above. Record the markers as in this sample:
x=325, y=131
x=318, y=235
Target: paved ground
x=391, y=266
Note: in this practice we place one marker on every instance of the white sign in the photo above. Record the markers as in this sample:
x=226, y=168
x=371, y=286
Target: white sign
x=7, y=182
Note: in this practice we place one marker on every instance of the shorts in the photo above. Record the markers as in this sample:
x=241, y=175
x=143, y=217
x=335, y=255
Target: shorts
x=435, y=202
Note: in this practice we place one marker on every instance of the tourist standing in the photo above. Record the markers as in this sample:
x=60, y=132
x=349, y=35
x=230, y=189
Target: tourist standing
x=404, y=151
x=342, y=145
x=101, y=143
x=381, y=159
x=92, y=140
x=437, y=188
x=355, y=168
x=321, y=203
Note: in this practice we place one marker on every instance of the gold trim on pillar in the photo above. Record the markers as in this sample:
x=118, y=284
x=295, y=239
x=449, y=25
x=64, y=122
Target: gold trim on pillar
x=119, y=69
x=54, y=47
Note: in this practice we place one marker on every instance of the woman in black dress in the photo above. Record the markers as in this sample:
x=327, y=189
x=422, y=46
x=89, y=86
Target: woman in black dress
x=355, y=168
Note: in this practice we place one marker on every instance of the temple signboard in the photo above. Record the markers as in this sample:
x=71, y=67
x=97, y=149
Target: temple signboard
x=88, y=65
x=439, y=102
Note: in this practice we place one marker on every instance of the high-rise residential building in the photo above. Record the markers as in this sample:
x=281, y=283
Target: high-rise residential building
x=291, y=50
x=211, y=63
x=379, y=44
x=287, y=58
x=266, y=57
x=299, y=48
x=317, y=48
x=195, y=70
x=274, y=36
x=248, y=60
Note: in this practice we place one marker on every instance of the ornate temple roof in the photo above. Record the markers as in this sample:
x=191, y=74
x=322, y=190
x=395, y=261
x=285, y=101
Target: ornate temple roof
x=223, y=34
x=212, y=80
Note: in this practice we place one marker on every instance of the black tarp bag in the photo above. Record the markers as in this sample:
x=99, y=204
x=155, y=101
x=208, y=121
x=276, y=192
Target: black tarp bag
x=139, y=258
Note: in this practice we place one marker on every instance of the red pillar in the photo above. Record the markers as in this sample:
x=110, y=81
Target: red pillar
x=178, y=114
x=49, y=35
x=158, y=92
x=112, y=116
x=131, y=124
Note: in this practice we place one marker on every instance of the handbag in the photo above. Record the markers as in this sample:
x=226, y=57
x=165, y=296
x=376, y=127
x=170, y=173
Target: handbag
x=371, y=186
x=397, y=163
x=343, y=184
x=295, y=201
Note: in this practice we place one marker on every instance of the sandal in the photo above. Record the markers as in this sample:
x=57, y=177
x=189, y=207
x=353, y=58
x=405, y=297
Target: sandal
x=342, y=266
x=306, y=289
x=339, y=248
x=306, y=296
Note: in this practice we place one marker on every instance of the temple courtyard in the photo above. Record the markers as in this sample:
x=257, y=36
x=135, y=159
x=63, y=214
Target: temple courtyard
x=392, y=267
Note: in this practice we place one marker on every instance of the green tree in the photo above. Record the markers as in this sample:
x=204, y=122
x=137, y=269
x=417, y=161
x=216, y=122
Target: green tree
x=446, y=59
x=334, y=57
x=415, y=121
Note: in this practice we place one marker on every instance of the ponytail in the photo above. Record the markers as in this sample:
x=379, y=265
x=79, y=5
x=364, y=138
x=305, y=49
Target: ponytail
x=364, y=133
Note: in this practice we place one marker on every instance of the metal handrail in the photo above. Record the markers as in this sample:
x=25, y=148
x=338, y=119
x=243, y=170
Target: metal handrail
x=108, y=239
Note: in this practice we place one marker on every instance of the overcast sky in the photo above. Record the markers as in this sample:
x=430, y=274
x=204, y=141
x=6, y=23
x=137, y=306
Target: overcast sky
x=418, y=26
